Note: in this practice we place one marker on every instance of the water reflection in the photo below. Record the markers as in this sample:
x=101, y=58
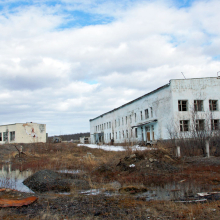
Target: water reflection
x=174, y=191
x=13, y=178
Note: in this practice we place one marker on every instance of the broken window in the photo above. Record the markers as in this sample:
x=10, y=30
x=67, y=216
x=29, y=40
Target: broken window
x=214, y=124
x=184, y=125
x=200, y=124
x=198, y=105
x=151, y=112
x=0, y=136
x=213, y=105
x=12, y=135
x=136, y=132
x=146, y=114
x=5, y=136
x=135, y=117
x=182, y=105
x=141, y=115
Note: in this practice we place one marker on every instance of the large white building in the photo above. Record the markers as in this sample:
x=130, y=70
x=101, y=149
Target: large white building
x=23, y=133
x=174, y=108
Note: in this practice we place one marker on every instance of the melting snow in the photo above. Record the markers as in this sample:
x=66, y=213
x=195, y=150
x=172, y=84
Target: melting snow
x=116, y=148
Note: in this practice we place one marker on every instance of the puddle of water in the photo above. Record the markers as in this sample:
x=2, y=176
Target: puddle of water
x=70, y=171
x=174, y=191
x=13, y=178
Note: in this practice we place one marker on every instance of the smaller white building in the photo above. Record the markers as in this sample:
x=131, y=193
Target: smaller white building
x=23, y=133
x=84, y=140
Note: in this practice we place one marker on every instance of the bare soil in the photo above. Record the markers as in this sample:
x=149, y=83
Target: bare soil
x=134, y=171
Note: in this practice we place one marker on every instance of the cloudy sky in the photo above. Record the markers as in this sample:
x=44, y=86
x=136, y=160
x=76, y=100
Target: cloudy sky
x=65, y=62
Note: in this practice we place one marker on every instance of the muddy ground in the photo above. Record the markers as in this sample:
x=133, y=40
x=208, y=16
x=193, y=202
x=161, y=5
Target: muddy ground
x=120, y=176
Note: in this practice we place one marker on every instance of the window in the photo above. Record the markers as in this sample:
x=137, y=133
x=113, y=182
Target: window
x=5, y=136
x=146, y=114
x=151, y=112
x=200, y=124
x=119, y=122
x=214, y=124
x=104, y=126
x=0, y=136
x=96, y=128
x=123, y=134
x=119, y=135
x=109, y=124
x=136, y=132
x=115, y=123
x=116, y=135
x=182, y=105
x=122, y=121
x=213, y=105
x=127, y=133
x=141, y=115
x=198, y=105
x=131, y=133
x=110, y=136
x=130, y=119
x=135, y=117
x=184, y=125
x=126, y=118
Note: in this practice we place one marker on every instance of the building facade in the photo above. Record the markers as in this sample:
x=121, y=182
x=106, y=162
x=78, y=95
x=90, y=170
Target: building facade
x=173, y=109
x=23, y=133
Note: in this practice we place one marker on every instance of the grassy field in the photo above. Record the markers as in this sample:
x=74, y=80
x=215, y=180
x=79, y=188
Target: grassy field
x=133, y=171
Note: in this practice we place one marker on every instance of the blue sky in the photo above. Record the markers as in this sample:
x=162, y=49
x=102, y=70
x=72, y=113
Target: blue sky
x=65, y=62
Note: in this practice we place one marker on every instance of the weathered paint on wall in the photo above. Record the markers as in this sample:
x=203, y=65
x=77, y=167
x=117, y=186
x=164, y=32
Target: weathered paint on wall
x=165, y=113
x=23, y=133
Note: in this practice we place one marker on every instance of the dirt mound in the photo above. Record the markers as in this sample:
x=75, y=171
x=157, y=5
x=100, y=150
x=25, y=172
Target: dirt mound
x=157, y=160
x=47, y=180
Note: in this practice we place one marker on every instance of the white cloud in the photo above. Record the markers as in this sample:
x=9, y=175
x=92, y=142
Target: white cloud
x=64, y=77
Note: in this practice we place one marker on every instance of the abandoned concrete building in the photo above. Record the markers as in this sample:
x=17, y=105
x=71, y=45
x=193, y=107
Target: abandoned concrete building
x=23, y=133
x=173, y=108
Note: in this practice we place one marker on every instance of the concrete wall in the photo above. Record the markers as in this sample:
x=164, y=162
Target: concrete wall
x=23, y=133
x=160, y=102
x=166, y=115
x=204, y=89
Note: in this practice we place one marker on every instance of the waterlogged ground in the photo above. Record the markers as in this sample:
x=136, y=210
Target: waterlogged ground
x=153, y=183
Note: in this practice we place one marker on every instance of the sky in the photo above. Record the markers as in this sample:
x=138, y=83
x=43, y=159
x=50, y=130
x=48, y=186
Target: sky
x=65, y=62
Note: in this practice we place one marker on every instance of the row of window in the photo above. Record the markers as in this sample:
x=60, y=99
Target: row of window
x=121, y=134
x=200, y=125
x=147, y=114
x=5, y=136
x=183, y=105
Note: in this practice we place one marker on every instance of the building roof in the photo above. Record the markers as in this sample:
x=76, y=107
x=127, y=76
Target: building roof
x=156, y=90
x=128, y=103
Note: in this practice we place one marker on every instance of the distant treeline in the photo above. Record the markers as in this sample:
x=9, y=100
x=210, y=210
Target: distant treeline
x=68, y=137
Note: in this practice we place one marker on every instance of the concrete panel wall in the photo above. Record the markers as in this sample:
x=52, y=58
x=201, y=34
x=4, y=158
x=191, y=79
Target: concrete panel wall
x=23, y=133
